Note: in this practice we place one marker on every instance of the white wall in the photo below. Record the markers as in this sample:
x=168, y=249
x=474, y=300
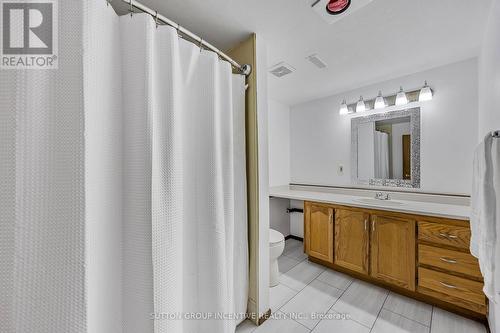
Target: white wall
x=321, y=139
x=489, y=102
x=279, y=143
x=297, y=219
x=279, y=163
x=489, y=75
x=279, y=219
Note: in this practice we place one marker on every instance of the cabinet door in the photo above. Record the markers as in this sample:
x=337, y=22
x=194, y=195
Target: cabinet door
x=351, y=240
x=393, y=251
x=319, y=232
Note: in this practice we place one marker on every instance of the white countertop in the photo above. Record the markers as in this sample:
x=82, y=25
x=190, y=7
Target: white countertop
x=459, y=212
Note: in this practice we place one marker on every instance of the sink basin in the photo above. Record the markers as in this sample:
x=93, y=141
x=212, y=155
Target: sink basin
x=376, y=202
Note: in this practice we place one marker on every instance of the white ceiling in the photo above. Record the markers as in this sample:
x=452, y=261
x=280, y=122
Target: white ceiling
x=384, y=40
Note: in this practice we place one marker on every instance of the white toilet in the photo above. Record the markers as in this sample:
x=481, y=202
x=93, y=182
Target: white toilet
x=276, y=247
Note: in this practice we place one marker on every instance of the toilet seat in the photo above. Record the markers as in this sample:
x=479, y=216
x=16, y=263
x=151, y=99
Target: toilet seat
x=275, y=237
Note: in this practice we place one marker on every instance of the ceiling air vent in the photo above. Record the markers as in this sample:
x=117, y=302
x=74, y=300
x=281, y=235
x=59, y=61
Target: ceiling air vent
x=313, y=58
x=281, y=69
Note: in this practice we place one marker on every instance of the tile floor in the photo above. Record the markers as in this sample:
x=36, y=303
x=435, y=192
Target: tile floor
x=307, y=288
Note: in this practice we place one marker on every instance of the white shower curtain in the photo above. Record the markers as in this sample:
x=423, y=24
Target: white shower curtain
x=123, y=204
x=381, y=155
x=185, y=238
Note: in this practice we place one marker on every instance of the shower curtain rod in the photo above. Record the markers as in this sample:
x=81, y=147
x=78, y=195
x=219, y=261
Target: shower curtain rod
x=245, y=69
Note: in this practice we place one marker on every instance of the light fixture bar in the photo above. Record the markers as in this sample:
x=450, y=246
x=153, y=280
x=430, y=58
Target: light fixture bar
x=390, y=100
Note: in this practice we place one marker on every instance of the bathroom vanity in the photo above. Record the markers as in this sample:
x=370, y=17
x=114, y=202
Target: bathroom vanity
x=421, y=256
x=418, y=249
x=417, y=244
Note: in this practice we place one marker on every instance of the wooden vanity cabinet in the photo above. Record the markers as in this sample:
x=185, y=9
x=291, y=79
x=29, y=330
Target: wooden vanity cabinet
x=393, y=250
x=319, y=231
x=351, y=240
x=423, y=257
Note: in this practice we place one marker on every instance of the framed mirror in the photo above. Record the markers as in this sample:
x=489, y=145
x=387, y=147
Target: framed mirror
x=385, y=149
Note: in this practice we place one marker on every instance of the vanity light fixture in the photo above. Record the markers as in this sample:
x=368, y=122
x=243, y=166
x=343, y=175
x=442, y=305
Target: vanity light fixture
x=390, y=102
x=380, y=101
x=401, y=98
x=361, y=106
x=344, y=109
x=425, y=93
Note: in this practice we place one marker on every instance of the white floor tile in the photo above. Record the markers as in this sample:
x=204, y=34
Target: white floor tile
x=273, y=325
x=389, y=321
x=246, y=327
x=447, y=322
x=316, y=298
x=336, y=325
x=279, y=295
x=301, y=275
x=362, y=301
x=409, y=308
x=291, y=244
x=296, y=253
x=335, y=279
x=286, y=263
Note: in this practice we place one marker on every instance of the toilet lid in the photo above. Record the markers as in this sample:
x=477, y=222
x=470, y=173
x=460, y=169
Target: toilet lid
x=275, y=237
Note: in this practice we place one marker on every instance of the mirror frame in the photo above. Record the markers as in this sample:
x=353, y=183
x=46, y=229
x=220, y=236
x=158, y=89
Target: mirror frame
x=414, y=182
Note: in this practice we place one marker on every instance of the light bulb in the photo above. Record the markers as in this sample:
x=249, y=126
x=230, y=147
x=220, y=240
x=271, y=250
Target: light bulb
x=360, y=106
x=425, y=93
x=380, y=101
x=401, y=98
x=344, y=109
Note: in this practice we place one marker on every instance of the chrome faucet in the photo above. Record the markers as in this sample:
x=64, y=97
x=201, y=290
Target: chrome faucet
x=382, y=196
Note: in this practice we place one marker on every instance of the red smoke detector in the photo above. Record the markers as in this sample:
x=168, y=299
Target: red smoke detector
x=336, y=7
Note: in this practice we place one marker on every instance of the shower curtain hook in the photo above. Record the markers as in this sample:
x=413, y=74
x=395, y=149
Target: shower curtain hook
x=201, y=44
x=131, y=9
x=156, y=19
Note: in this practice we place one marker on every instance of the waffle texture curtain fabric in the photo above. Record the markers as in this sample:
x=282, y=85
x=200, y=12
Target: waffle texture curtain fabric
x=123, y=202
x=185, y=239
x=42, y=215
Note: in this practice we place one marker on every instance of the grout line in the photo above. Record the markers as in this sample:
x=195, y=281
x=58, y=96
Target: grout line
x=316, y=279
x=294, y=258
x=348, y=285
x=432, y=317
x=298, y=322
x=378, y=315
x=401, y=315
x=299, y=290
x=335, y=302
x=298, y=262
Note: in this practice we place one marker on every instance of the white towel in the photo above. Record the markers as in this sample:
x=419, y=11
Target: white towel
x=485, y=214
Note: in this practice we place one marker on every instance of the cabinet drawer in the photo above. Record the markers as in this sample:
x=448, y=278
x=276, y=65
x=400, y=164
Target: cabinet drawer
x=451, y=260
x=468, y=290
x=444, y=234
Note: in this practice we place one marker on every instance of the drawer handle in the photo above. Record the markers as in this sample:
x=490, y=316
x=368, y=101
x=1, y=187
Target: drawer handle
x=448, y=236
x=448, y=260
x=450, y=286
